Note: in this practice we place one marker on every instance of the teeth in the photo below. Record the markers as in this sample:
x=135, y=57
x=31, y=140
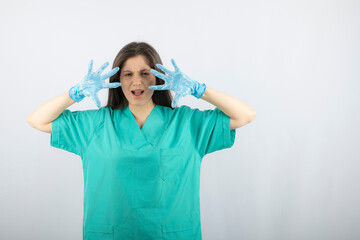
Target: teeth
x=137, y=93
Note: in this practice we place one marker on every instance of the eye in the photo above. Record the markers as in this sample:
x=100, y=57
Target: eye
x=146, y=73
x=127, y=74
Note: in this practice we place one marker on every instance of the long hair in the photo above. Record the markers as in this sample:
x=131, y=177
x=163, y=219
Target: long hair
x=116, y=98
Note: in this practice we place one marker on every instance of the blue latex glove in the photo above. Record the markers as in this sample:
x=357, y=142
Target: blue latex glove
x=92, y=83
x=177, y=81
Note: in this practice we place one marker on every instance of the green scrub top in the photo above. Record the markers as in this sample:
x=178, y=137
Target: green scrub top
x=142, y=183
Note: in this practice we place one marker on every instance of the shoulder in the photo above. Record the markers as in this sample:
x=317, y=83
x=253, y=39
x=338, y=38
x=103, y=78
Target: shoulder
x=199, y=112
x=91, y=113
x=193, y=114
x=182, y=110
x=187, y=109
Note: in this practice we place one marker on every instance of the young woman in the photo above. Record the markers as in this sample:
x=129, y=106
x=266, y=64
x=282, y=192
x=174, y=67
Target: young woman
x=141, y=154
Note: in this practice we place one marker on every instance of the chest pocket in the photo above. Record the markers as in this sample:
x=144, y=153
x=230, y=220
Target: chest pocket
x=172, y=164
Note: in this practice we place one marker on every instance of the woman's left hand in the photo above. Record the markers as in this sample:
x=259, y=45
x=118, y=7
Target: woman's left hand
x=177, y=81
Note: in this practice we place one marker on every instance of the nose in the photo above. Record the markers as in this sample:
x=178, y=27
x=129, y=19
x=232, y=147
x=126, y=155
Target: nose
x=137, y=80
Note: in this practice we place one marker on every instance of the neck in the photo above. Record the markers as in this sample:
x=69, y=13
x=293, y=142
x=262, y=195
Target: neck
x=142, y=111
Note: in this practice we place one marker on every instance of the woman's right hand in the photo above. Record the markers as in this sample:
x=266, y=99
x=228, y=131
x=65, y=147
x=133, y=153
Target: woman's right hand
x=92, y=83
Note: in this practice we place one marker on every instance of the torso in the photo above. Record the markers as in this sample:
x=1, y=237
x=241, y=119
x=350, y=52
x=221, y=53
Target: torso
x=140, y=120
x=140, y=123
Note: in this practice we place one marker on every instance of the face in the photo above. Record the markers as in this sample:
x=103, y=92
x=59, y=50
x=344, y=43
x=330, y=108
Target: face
x=136, y=75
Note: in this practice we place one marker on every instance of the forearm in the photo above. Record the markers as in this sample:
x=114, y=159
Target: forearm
x=50, y=110
x=231, y=106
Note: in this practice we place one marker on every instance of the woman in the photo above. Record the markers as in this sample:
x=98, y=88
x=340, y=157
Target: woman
x=141, y=154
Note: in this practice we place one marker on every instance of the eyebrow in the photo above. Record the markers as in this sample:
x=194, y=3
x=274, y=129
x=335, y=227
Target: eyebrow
x=145, y=69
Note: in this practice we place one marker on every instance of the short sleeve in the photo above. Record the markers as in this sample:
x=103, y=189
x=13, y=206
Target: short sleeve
x=72, y=131
x=210, y=130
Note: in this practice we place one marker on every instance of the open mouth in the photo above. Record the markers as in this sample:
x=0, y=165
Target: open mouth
x=137, y=93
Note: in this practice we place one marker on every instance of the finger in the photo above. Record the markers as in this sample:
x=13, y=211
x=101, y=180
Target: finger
x=177, y=69
x=186, y=91
x=164, y=69
x=160, y=75
x=96, y=100
x=109, y=74
x=90, y=67
x=111, y=85
x=176, y=100
x=102, y=68
x=160, y=87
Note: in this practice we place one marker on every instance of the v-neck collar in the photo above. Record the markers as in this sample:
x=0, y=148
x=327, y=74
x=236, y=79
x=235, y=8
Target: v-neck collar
x=153, y=127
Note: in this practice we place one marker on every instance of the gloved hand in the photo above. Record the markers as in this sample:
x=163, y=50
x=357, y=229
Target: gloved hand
x=178, y=82
x=92, y=83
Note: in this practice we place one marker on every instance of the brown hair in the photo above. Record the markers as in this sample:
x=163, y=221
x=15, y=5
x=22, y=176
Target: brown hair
x=116, y=98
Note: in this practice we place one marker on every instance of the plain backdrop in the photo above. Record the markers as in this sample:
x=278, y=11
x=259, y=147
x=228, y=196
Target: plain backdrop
x=292, y=173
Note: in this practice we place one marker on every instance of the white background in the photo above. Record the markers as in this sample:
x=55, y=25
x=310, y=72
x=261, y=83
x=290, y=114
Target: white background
x=292, y=173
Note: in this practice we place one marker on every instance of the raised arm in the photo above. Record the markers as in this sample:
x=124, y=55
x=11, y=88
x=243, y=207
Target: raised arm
x=239, y=112
x=43, y=116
